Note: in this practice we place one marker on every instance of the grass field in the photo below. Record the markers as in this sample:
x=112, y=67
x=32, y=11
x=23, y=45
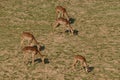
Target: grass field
x=98, y=39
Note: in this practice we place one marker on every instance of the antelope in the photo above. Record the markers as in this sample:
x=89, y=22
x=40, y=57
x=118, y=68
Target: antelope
x=33, y=51
x=61, y=12
x=82, y=61
x=26, y=36
x=62, y=21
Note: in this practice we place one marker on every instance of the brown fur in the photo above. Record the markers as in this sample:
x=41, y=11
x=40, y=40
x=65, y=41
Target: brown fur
x=82, y=61
x=33, y=51
x=62, y=12
x=62, y=21
x=26, y=36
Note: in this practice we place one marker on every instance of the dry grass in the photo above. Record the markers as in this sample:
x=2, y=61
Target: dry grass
x=98, y=39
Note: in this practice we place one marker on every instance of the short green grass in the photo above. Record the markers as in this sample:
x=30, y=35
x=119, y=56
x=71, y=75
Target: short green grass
x=98, y=39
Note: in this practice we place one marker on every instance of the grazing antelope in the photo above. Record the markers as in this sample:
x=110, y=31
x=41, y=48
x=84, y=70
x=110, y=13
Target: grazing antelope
x=61, y=12
x=82, y=61
x=33, y=51
x=62, y=21
x=26, y=36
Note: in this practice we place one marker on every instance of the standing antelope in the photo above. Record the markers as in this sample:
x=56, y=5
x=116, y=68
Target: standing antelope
x=26, y=36
x=82, y=61
x=33, y=51
x=62, y=21
x=61, y=12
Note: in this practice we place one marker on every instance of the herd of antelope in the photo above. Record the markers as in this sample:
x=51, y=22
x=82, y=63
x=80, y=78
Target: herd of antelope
x=33, y=47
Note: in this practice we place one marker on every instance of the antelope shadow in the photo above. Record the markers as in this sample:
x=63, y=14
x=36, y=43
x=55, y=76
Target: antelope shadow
x=46, y=60
x=91, y=69
x=42, y=48
x=75, y=32
x=71, y=20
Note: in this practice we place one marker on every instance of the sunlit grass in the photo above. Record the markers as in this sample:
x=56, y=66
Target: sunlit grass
x=98, y=39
